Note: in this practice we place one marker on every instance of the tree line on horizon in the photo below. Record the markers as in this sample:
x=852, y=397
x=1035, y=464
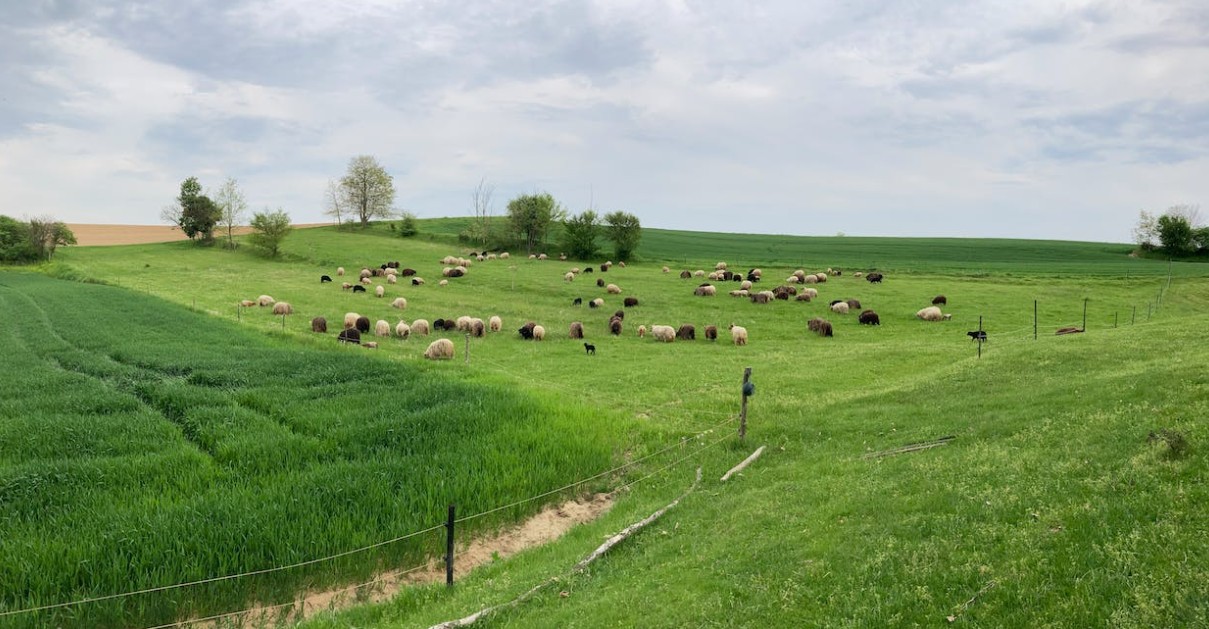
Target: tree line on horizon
x=198, y=214
x=1178, y=232
x=32, y=240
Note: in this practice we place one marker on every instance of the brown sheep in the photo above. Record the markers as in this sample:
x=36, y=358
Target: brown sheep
x=684, y=275
x=362, y=324
x=940, y=300
x=711, y=332
x=854, y=304
x=615, y=326
x=577, y=330
x=349, y=335
x=868, y=317
x=319, y=324
x=822, y=327
x=630, y=302
x=686, y=333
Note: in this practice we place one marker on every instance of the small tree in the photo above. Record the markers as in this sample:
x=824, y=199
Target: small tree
x=269, y=229
x=580, y=233
x=408, y=226
x=483, y=209
x=1175, y=232
x=369, y=191
x=1146, y=233
x=15, y=243
x=232, y=207
x=625, y=231
x=530, y=217
x=46, y=234
x=334, y=203
x=198, y=214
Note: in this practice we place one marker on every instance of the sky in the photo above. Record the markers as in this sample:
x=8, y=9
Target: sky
x=1017, y=119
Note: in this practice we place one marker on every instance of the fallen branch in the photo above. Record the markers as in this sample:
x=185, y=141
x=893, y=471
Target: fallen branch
x=748, y=461
x=913, y=447
x=960, y=610
x=579, y=567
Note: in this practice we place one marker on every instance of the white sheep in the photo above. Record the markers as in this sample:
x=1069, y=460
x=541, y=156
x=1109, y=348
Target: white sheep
x=248, y=303
x=402, y=330
x=399, y=303
x=931, y=313
x=840, y=307
x=381, y=328
x=380, y=291
x=813, y=292
x=570, y=276
x=745, y=285
x=666, y=270
x=705, y=291
x=443, y=283
x=463, y=323
x=265, y=300
x=738, y=334
x=810, y=279
x=663, y=333
x=282, y=308
x=495, y=324
x=504, y=255
x=858, y=275
x=613, y=289
x=793, y=279
x=390, y=270
x=539, y=333
x=390, y=279
x=350, y=319
x=641, y=331
x=420, y=326
x=339, y=271
x=821, y=277
x=721, y=266
x=440, y=349
x=699, y=273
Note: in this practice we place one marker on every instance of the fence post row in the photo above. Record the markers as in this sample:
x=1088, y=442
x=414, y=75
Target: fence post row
x=748, y=388
x=449, y=545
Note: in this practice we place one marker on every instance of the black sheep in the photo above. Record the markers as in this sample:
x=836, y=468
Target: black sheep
x=615, y=326
x=684, y=275
x=687, y=333
x=600, y=283
x=711, y=332
x=578, y=301
x=630, y=302
x=590, y=349
x=357, y=288
x=869, y=317
x=363, y=324
x=604, y=268
x=526, y=331
x=620, y=314
x=977, y=335
x=324, y=278
x=349, y=335
x=875, y=278
x=940, y=300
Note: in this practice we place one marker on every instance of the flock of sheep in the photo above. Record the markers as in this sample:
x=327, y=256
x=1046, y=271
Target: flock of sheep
x=356, y=325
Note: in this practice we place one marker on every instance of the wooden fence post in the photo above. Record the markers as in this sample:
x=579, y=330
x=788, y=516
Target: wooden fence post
x=979, y=336
x=1034, y=319
x=449, y=546
x=1084, y=314
x=467, y=348
x=743, y=406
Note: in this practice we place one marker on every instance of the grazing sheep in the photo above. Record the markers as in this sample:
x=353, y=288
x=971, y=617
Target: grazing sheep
x=721, y=266
x=539, y=333
x=977, y=335
x=420, y=326
x=477, y=328
x=858, y=275
x=840, y=307
x=543, y=256
x=533, y=256
x=357, y=288
x=699, y=273
x=495, y=323
x=349, y=335
x=265, y=300
x=381, y=328
x=596, y=303
x=738, y=334
x=443, y=283
x=526, y=331
x=746, y=285
x=459, y=271
x=822, y=277
x=247, y=303
x=577, y=330
x=391, y=271
x=820, y=326
x=800, y=274
x=663, y=333
x=570, y=277
x=641, y=331
x=1068, y=330
x=868, y=317
x=687, y=332
x=362, y=324
x=390, y=279
x=739, y=293
x=577, y=301
x=762, y=297
x=504, y=255
x=600, y=283
x=940, y=300
x=629, y=302
x=613, y=289
x=402, y=330
x=684, y=275
x=810, y=279
x=407, y=272
x=441, y=324
x=399, y=303
x=854, y=304
x=931, y=313
x=345, y=286
x=621, y=264
x=340, y=271
x=590, y=349
x=802, y=297
x=755, y=275
x=705, y=291
x=620, y=314
x=813, y=292
x=282, y=308
x=666, y=270
x=462, y=324
x=440, y=349
x=365, y=274
x=792, y=279
x=711, y=332
x=874, y=278
x=615, y=326
x=365, y=282
x=350, y=319
x=319, y=324
x=380, y=291
x=604, y=268
x=324, y=278
x=417, y=281
x=587, y=269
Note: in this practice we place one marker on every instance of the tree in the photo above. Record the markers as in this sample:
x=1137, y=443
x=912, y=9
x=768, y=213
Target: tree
x=269, y=229
x=14, y=241
x=407, y=226
x=1146, y=233
x=197, y=214
x=530, y=217
x=46, y=234
x=580, y=233
x=232, y=207
x=1201, y=237
x=334, y=202
x=369, y=192
x=481, y=200
x=625, y=231
x=1175, y=232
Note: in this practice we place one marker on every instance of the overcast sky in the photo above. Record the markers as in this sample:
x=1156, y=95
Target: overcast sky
x=1029, y=118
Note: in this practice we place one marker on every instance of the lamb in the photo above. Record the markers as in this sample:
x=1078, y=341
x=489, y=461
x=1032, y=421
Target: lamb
x=407, y=272
x=705, y=291
x=324, y=278
x=370, y=345
x=380, y=291
x=265, y=300
x=615, y=326
x=940, y=300
x=596, y=303
x=666, y=270
x=539, y=333
x=381, y=328
x=349, y=335
x=399, y=303
x=577, y=301
x=390, y=279
x=802, y=297
x=587, y=269
x=738, y=334
x=440, y=324
x=365, y=274
x=812, y=292
x=820, y=326
x=711, y=332
x=357, y=288
x=477, y=328
x=868, y=317
x=739, y=293
x=931, y=313
x=854, y=304
x=570, y=277
x=282, y=308
x=402, y=330
x=526, y=331
x=417, y=281
x=440, y=349
x=590, y=349
x=792, y=279
x=362, y=324
x=577, y=330
x=345, y=286
x=687, y=333
x=319, y=324
x=699, y=273
x=761, y=297
x=663, y=333
x=613, y=289
x=977, y=335
x=420, y=326
x=630, y=302
x=340, y=271
x=495, y=323
x=641, y=331
x=542, y=256
x=443, y=283
x=247, y=303
x=620, y=314
x=858, y=275
x=504, y=255
x=840, y=307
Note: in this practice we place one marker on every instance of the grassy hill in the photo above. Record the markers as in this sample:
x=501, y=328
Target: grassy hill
x=1051, y=506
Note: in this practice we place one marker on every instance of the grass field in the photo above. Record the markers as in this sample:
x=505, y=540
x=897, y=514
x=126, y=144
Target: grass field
x=1051, y=508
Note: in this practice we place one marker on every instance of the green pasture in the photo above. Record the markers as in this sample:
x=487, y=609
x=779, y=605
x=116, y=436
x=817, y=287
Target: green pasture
x=1050, y=508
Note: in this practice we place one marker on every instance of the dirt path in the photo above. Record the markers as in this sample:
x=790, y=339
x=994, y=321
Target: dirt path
x=89, y=235
x=548, y=525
